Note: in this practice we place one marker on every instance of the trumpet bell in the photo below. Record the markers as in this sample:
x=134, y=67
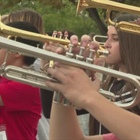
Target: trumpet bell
x=112, y=5
x=106, y=4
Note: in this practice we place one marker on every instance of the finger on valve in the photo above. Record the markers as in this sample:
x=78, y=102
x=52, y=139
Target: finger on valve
x=75, y=49
x=74, y=40
x=94, y=45
x=85, y=40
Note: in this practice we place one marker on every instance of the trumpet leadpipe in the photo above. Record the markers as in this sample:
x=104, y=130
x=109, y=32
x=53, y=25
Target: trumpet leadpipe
x=7, y=30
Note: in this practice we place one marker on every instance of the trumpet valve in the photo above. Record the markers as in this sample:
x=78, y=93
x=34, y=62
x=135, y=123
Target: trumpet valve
x=90, y=59
x=69, y=53
x=80, y=55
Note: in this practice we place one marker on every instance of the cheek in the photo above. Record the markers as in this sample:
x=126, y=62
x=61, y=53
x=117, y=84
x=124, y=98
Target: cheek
x=117, y=53
x=117, y=56
x=114, y=57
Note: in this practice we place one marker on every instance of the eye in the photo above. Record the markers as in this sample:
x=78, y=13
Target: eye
x=115, y=38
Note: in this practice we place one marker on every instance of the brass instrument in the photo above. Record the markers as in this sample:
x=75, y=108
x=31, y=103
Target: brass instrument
x=4, y=29
x=112, y=5
x=38, y=78
x=106, y=4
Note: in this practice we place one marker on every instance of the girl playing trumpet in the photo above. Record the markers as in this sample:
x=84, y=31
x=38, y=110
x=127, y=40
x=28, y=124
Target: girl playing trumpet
x=76, y=86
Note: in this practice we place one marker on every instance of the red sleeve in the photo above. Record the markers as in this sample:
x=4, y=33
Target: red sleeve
x=109, y=136
x=17, y=96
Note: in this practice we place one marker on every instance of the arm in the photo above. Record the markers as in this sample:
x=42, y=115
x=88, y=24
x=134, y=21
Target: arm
x=64, y=124
x=119, y=121
x=84, y=94
x=46, y=100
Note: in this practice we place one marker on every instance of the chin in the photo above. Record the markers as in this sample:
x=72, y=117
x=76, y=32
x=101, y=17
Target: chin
x=109, y=62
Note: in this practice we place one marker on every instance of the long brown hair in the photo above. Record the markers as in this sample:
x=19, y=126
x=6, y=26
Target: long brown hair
x=129, y=46
x=129, y=50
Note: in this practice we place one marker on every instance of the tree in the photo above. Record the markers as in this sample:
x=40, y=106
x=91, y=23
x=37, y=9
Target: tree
x=55, y=18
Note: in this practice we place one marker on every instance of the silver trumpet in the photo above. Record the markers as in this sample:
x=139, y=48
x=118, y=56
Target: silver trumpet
x=38, y=78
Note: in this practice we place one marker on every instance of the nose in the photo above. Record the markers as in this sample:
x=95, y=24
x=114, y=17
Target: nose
x=107, y=44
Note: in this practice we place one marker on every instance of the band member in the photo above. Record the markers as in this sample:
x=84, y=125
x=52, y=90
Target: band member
x=34, y=18
x=76, y=86
x=20, y=104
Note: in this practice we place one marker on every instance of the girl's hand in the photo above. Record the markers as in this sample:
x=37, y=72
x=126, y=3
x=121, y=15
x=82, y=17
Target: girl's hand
x=73, y=83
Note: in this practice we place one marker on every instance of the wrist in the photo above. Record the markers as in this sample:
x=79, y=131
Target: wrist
x=92, y=101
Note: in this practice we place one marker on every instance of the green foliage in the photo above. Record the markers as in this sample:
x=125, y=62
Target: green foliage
x=64, y=18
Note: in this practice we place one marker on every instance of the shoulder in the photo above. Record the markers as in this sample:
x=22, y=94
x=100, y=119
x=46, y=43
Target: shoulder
x=18, y=86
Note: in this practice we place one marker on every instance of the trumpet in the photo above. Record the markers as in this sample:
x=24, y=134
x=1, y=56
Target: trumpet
x=6, y=30
x=38, y=79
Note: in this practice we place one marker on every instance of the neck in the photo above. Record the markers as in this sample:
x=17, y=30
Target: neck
x=122, y=68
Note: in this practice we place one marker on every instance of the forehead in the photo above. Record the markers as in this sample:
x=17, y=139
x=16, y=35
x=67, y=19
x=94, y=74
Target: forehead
x=111, y=30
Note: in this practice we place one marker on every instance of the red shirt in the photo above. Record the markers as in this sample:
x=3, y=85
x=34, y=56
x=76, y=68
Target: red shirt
x=21, y=111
